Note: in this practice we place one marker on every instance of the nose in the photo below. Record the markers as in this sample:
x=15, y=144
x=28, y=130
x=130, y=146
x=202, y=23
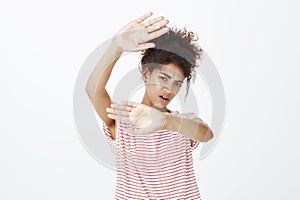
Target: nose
x=168, y=88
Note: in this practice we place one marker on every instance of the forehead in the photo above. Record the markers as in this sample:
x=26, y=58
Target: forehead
x=172, y=70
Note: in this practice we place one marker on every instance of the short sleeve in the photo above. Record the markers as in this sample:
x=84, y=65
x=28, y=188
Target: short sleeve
x=190, y=115
x=107, y=134
x=194, y=144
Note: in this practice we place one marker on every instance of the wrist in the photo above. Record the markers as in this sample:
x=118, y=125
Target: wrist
x=167, y=121
x=171, y=123
x=116, y=43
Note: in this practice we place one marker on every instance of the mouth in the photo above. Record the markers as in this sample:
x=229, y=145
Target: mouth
x=164, y=99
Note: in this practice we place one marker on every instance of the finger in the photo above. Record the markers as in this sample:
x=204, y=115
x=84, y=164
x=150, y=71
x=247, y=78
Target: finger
x=130, y=103
x=158, y=33
x=157, y=26
x=142, y=18
x=144, y=46
x=117, y=117
x=120, y=107
x=118, y=112
x=153, y=21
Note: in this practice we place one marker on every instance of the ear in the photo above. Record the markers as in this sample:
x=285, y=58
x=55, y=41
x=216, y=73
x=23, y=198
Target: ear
x=146, y=74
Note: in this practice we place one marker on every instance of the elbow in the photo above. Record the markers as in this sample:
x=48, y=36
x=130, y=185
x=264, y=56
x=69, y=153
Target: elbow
x=205, y=135
x=88, y=92
x=209, y=135
x=88, y=88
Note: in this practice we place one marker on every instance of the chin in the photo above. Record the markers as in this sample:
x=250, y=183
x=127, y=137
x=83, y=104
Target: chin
x=158, y=106
x=161, y=108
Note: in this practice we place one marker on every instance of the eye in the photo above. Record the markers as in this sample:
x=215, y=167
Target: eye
x=178, y=85
x=163, y=78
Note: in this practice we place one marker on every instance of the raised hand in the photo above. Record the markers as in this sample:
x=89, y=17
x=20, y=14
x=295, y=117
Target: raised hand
x=145, y=118
x=135, y=35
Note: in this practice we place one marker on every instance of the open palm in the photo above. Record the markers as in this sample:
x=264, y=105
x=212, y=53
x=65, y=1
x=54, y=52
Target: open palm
x=146, y=119
x=135, y=35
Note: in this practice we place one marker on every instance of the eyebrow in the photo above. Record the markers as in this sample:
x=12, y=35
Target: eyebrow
x=170, y=77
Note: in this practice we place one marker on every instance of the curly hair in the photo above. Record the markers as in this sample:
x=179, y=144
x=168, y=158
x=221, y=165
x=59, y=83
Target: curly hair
x=176, y=47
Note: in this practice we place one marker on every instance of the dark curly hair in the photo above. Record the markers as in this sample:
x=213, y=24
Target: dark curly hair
x=177, y=47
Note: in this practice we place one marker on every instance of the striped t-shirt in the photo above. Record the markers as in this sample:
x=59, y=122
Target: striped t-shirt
x=158, y=165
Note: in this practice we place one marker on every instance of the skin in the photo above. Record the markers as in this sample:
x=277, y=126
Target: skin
x=166, y=81
x=152, y=114
x=149, y=115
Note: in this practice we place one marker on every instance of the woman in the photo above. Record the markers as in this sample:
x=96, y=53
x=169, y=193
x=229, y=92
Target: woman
x=152, y=144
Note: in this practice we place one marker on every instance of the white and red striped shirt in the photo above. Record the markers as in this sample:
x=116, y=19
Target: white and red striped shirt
x=158, y=165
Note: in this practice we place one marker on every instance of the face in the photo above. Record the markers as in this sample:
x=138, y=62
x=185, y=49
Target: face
x=162, y=85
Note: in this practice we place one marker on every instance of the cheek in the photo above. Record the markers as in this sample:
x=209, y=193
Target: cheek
x=153, y=89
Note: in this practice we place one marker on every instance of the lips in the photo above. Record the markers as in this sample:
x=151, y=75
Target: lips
x=164, y=99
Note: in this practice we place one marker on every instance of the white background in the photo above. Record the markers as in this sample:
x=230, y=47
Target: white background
x=254, y=44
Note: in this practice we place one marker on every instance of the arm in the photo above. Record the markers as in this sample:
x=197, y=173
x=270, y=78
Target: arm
x=132, y=37
x=194, y=129
x=98, y=79
x=149, y=119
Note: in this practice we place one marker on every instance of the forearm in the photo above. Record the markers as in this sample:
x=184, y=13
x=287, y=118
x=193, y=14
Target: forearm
x=101, y=73
x=191, y=128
